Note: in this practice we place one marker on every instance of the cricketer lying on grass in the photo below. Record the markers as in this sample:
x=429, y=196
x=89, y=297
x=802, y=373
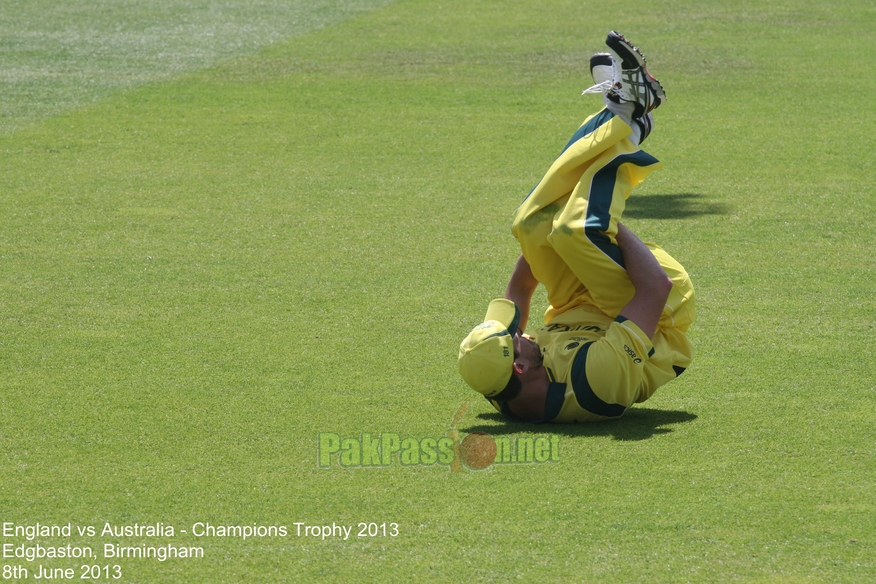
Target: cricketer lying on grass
x=619, y=308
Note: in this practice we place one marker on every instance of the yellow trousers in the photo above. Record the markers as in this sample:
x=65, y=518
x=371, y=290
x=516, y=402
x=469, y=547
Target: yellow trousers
x=567, y=226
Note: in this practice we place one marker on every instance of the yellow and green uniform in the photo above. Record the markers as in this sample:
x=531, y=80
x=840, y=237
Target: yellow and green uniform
x=599, y=363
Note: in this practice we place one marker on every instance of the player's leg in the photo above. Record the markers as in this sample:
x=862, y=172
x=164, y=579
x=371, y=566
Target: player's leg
x=584, y=233
x=536, y=217
x=601, y=150
x=584, y=239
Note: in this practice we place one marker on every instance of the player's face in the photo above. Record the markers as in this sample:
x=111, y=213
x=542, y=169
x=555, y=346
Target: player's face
x=525, y=349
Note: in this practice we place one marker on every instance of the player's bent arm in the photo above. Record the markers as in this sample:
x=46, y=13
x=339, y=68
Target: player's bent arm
x=520, y=289
x=648, y=277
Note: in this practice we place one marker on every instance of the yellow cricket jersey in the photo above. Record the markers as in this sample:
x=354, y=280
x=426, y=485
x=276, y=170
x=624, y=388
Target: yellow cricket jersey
x=599, y=367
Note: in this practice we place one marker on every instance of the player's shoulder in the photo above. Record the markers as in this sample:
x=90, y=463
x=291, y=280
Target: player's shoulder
x=623, y=350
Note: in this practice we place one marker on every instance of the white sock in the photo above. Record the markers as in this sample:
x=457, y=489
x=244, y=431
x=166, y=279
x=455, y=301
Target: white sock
x=625, y=112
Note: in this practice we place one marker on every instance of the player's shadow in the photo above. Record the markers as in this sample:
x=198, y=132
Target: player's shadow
x=636, y=424
x=673, y=206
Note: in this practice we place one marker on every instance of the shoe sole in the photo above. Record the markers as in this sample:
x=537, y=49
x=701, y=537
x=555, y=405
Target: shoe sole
x=628, y=55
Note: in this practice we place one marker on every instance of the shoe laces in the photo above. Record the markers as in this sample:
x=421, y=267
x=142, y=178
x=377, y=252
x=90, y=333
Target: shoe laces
x=603, y=87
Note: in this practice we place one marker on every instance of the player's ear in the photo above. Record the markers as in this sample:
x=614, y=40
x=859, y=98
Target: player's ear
x=520, y=368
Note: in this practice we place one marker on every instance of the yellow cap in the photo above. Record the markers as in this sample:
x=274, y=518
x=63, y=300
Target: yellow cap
x=486, y=355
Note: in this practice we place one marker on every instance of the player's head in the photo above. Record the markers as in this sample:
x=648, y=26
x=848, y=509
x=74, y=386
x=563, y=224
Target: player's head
x=486, y=356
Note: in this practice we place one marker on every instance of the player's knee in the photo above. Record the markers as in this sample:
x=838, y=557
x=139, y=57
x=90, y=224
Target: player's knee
x=563, y=236
x=531, y=219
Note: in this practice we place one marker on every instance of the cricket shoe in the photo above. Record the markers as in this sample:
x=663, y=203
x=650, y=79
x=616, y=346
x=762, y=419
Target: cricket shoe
x=631, y=80
x=603, y=70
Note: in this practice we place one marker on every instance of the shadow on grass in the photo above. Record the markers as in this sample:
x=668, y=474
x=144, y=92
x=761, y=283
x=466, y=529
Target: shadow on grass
x=677, y=206
x=636, y=424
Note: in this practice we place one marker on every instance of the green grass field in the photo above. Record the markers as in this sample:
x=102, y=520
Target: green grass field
x=231, y=230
